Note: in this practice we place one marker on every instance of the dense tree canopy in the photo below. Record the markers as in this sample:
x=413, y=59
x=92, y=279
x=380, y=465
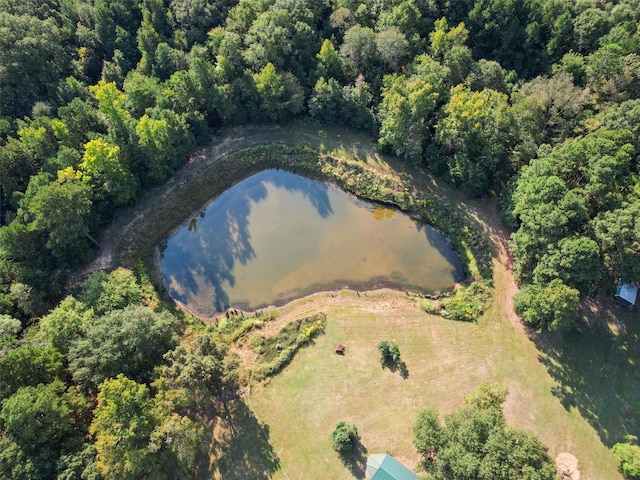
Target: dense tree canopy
x=110, y=97
x=129, y=341
x=41, y=423
x=475, y=442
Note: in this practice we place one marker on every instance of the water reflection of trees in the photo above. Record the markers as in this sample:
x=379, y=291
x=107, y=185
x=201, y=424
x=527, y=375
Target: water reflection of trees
x=223, y=238
x=440, y=243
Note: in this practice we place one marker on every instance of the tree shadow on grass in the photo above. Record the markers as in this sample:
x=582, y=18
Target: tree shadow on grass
x=596, y=367
x=356, y=460
x=240, y=447
x=399, y=366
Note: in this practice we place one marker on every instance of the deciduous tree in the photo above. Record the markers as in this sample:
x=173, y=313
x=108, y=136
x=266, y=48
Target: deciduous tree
x=131, y=341
x=548, y=307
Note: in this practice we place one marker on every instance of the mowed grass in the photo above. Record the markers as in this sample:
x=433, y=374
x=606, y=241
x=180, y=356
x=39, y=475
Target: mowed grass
x=445, y=360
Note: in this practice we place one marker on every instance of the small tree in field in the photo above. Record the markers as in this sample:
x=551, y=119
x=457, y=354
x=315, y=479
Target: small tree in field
x=389, y=353
x=344, y=437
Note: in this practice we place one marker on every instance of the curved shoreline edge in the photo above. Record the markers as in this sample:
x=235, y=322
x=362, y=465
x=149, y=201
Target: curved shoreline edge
x=246, y=151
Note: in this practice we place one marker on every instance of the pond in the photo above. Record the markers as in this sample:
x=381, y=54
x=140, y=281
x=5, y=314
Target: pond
x=276, y=236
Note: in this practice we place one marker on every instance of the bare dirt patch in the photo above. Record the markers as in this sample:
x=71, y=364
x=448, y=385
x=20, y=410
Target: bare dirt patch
x=567, y=466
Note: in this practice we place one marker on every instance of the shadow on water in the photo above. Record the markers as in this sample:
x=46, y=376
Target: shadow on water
x=596, y=368
x=314, y=191
x=210, y=246
x=440, y=243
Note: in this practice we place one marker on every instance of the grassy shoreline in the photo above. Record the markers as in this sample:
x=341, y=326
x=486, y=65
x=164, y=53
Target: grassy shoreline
x=138, y=248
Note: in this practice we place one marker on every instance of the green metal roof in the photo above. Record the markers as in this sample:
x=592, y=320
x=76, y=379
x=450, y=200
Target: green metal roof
x=385, y=467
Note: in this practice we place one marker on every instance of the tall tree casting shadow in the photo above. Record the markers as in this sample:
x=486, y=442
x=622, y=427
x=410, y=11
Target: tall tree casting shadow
x=356, y=460
x=596, y=369
x=240, y=448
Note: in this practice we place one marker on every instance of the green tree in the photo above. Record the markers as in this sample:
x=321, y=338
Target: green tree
x=65, y=324
x=9, y=326
x=33, y=57
x=101, y=165
x=113, y=291
x=574, y=260
x=548, y=109
x=27, y=366
x=359, y=52
x=330, y=65
x=476, y=134
x=429, y=436
x=405, y=112
x=564, y=194
x=77, y=120
x=202, y=367
x=487, y=395
x=511, y=33
x=194, y=18
x=141, y=92
x=618, y=235
x=510, y=451
x=153, y=30
x=164, y=143
x=285, y=36
x=28, y=299
x=358, y=104
x=131, y=341
x=326, y=101
x=393, y=48
x=474, y=442
x=344, y=437
x=122, y=424
x=280, y=94
x=141, y=437
x=588, y=26
x=628, y=456
x=488, y=74
x=45, y=417
x=62, y=211
x=548, y=307
x=45, y=422
x=443, y=39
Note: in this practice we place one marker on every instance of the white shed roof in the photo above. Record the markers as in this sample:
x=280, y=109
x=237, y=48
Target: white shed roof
x=628, y=293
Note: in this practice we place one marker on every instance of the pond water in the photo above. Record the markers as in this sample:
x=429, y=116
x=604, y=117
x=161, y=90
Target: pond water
x=277, y=236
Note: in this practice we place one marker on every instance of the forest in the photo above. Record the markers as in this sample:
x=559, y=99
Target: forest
x=534, y=103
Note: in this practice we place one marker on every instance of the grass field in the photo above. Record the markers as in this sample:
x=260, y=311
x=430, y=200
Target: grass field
x=445, y=360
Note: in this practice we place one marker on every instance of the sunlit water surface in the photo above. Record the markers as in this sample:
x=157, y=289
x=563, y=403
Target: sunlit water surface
x=277, y=236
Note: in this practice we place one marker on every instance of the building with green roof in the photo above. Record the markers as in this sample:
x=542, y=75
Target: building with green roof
x=384, y=467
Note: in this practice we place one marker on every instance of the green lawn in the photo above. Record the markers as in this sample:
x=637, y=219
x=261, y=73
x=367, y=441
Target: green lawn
x=445, y=360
